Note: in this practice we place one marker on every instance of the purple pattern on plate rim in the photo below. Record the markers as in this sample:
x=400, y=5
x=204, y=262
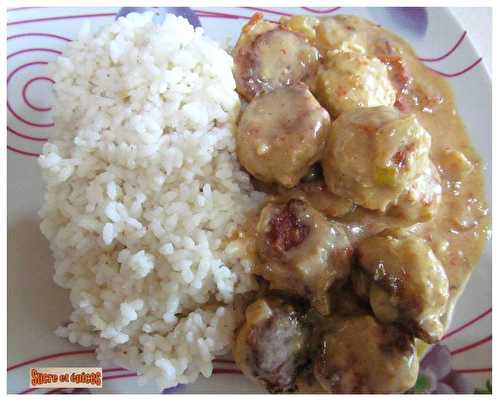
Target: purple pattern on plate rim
x=409, y=21
x=437, y=375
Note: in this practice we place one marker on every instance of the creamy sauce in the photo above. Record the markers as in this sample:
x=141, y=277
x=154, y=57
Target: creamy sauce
x=460, y=227
x=458, y=231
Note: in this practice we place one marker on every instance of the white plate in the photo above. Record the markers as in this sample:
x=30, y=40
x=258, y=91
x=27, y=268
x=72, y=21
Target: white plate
x=36, y=305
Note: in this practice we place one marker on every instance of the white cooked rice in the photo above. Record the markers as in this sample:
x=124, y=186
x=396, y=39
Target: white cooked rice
x=143, y=191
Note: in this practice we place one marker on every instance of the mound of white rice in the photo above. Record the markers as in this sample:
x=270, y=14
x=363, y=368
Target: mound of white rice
x=143, y=194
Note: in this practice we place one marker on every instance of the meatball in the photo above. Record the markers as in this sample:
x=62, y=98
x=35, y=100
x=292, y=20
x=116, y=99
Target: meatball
x=351, y=80
x=269, y=56
x=360, y=355
x=338, y=33
x=407, y=284
x=374, y=154
x=421, y=201
x=302, y=253
x=281, y=134
x=272, y=344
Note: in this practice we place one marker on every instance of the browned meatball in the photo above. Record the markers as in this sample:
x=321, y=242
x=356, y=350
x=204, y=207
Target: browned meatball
x=345, y=33
x=360, y=355
x=272, y=344
x=268, y=56
x=350, y=80
x=281, y=134
x=374, y=154
x=302, y=252
x=404, y=283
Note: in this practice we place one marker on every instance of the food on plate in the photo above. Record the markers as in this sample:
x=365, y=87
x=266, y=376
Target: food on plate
x=374, y=238
x=311, y=204
x=420, y=201
x=268, y=57
x=348, y=80
x=301, y=252
x=143, y=193
x=272, y=346
x=281, y=134
x=374, y=154
x=345, y=33
x=407, y=284
x=360, y=355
